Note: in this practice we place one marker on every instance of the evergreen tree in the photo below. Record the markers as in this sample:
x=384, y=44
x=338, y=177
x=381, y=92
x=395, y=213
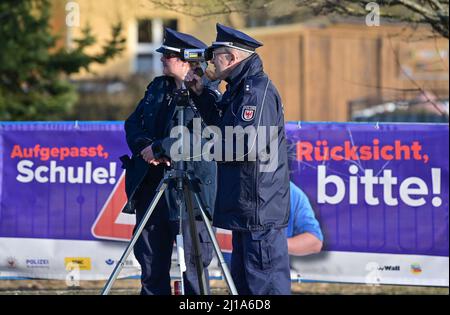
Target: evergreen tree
x=34, y=81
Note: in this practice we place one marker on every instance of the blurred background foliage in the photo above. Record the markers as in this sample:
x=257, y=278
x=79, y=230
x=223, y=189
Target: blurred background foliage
x=34, y=72
x=42, y=77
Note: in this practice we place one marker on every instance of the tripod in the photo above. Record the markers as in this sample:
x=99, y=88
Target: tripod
x=186, y=187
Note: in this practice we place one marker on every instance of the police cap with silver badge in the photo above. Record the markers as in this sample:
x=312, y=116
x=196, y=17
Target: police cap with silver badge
x=229, y=37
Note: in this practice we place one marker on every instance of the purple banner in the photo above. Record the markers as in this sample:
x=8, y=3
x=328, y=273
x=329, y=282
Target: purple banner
x=375, y=188
x=56, y=177
x=379, y=188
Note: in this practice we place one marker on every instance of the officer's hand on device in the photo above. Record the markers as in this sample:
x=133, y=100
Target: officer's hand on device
x=149, y=157
x=194, y=81
x=147, y=154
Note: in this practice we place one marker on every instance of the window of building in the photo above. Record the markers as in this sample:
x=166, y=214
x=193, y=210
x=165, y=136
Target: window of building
x=150, y=34
x=144, y=63
x=145, y=31
x=171, y=23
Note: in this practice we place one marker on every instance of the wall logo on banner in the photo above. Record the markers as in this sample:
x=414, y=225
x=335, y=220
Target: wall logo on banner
x=389, y=268
x=80, y=263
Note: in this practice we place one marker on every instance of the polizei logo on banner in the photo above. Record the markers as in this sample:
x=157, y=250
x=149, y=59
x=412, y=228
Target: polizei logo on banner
x=30, y=167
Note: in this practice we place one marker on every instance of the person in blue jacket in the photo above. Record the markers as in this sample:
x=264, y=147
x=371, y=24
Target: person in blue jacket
x=304, y=234
x=253, y=184
x=147, y=134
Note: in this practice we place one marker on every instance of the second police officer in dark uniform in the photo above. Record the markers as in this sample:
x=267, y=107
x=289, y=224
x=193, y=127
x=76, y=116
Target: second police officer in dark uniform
x=252, y=201
x=147, y=134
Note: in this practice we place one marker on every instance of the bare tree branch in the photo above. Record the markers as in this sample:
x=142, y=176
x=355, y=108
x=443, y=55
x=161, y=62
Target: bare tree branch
x=416, y=7
x=436, y=5
x=203, y=9
x=410, y=79
x=432, y=12
x=439, y=54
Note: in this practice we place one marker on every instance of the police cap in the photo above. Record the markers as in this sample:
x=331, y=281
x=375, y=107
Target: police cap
x=175, y=41
x=229, y=37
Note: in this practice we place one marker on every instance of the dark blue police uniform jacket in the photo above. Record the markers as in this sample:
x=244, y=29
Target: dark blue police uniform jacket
x=249, y=199
x=141, y=131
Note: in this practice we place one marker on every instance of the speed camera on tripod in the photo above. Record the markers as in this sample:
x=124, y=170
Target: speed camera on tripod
x=196, y=55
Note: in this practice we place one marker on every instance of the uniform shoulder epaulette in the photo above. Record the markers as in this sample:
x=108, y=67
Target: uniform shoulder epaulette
x=254, y=81
x=248, y=84
x=216, y=93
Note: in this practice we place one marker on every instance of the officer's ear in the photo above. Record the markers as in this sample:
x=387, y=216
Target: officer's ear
x=232, y=58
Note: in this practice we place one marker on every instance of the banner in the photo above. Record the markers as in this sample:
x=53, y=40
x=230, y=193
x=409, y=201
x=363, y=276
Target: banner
x=57, y=191
x=380, y=193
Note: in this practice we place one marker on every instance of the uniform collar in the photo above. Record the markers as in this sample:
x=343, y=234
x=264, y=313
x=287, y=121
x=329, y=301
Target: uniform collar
x=250, y=66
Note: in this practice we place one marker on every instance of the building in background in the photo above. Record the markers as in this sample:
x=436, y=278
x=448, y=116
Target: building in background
x=320, y=69
x=325, y=71
x=143, y=27
x=111, y=91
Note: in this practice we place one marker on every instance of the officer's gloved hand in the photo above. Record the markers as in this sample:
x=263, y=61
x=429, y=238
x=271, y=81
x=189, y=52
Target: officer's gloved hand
x=165, y=161
x=149, y=157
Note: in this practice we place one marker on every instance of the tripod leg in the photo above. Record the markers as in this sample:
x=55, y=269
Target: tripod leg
x=223, y=264
x=161, y=188
x=196, y=243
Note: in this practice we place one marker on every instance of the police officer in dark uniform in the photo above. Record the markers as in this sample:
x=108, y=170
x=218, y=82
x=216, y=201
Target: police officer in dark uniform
x=147, y=134
x=252, y=196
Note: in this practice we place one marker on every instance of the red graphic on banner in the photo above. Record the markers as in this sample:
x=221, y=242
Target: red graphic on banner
x=106, y=225
x=224, y=239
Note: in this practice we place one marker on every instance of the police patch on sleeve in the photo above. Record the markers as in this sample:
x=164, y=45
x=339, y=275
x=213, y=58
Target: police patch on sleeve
x=248, y=113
